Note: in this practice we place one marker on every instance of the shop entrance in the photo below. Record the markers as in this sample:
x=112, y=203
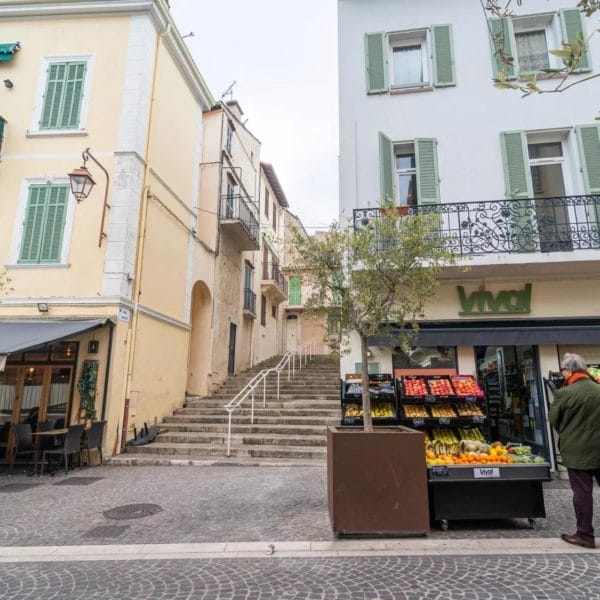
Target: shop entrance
x=511, y=381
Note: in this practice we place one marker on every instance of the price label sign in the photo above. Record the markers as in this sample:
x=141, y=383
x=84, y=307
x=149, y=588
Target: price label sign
x=444, y=421
x=430, y=398
x=418, y=422
x=486, y=472
x=478, y=420
x=440, y=471
x=470, y=398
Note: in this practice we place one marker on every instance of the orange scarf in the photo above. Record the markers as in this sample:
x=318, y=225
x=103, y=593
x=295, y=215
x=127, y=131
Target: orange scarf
x=576, y=377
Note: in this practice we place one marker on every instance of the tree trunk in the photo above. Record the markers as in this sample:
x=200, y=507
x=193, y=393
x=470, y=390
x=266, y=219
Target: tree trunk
x=366, y=395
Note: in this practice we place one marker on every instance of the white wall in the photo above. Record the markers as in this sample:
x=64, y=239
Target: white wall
x=466, y=119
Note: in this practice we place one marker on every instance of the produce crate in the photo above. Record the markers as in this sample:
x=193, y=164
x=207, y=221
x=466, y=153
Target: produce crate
x=440, y=386
x=465, y=386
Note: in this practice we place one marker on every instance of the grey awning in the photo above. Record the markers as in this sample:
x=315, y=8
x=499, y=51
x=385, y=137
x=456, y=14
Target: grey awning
x=508, y=334
x=18, y=336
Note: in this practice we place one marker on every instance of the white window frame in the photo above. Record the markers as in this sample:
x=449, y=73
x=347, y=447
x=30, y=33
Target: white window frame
x=45, y=63
x=19, y=225
x=403, y=148
x=404, y=39
x=547, y=22
x=229, y=137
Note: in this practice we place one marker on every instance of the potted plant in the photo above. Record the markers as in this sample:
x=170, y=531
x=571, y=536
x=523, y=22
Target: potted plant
x=364, y=282
x=86, y=386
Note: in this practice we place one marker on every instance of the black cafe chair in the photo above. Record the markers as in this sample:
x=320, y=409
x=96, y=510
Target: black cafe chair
x=93, y=439
x=46, y=442
x=71, y=445
x=23, y=444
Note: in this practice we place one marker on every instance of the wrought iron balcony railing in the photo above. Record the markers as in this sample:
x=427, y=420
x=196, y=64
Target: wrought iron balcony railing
x=236, y=207
x=511, y=226
x=274, y=273
x=250, y=301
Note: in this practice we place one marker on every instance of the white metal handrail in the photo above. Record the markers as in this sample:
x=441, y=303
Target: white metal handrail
x=288, y=360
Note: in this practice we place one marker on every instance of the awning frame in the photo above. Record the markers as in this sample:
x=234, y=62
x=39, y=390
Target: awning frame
x=7, y=51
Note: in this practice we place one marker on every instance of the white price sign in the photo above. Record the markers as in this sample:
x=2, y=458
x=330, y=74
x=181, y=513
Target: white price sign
x=486, y=472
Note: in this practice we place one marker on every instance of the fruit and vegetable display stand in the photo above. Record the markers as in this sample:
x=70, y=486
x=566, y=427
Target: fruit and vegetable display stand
x=469, y=477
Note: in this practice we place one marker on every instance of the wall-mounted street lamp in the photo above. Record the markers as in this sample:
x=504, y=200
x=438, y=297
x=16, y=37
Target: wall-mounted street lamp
x=82, y=184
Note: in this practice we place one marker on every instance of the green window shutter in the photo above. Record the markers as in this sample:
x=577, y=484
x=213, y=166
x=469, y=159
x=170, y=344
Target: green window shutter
x=2, y=124
x=376, y=62
x=64, y=92
x=386, y=169
x=588, y=137
x=295, y=290
x=572, y=29
x=516, y=165
x=428, y=182
x=44, y=224
x=56, y=210
x=443, y=56
x=519, y=189
x=502, y=37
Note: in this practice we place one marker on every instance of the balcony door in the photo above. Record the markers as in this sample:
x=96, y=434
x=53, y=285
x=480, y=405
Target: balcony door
x=546, y=162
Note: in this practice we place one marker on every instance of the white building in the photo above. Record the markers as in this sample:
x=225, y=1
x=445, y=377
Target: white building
x=516, y=181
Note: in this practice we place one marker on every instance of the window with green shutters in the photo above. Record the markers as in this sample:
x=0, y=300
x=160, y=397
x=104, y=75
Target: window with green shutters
x=2, y=124
x=295, y=290
x=588, y=139
x=409, y=59
x=61, y=107
x=43, y=228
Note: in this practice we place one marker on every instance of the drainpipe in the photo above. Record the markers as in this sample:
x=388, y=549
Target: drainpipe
x=139, y=254
x=111, y=326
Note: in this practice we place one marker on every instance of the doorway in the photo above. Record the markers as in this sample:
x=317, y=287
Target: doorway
x=231, y=360
x=546, y=163
x=291, y=339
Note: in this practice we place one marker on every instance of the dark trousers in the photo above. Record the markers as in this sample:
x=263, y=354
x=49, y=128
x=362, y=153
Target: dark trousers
x=582, y=482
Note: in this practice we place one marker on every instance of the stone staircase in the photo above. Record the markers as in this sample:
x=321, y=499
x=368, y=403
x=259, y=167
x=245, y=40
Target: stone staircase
x=288, y=431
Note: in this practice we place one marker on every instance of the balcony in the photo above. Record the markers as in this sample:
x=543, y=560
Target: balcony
x=540, y=225
x=274, y=283
x=238, y=220
x=249, y=303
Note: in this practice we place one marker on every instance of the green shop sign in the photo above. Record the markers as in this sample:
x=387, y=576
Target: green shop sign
x=482, y=302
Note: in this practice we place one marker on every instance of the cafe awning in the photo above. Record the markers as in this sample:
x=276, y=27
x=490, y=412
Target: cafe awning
x=502, y=333
x=19, y=336
x=7, y=51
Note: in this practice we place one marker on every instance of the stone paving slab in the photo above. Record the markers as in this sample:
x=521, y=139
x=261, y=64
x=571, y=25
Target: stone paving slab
x=519, y=577
x=213, y=505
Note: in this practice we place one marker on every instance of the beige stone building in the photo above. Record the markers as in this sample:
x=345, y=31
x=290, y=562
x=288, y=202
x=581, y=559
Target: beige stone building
x=148, y=285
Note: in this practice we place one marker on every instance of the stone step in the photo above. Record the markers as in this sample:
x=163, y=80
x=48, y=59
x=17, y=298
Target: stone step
x=218, y=405
x=259, y=411
x=245, y=428
x=238, y=450
x=199, y=460
x=258, y=420
x=216, y=438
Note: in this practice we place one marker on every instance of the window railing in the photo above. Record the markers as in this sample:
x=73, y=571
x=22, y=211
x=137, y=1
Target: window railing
x=249, y=301
x=235, y=207
x=560, y=224
x=274, y=273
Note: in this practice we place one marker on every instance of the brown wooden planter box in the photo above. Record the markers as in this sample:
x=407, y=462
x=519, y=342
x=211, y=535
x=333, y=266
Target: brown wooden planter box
x=377, y=482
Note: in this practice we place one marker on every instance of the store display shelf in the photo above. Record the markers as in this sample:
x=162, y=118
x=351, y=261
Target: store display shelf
x=427, y=422
x=376, y=420
x=514, y=472
x=429, y=399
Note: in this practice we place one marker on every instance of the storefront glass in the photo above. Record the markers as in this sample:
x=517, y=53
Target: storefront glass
x=425, y=357
x=510, y=378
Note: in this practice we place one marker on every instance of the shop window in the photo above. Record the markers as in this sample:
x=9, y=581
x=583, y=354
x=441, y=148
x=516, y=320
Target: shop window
x=373, y=368
x=263, y=310
x=425, y=357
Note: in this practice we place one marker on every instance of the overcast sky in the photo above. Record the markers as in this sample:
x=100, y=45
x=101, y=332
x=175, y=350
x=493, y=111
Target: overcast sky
x=283, y=56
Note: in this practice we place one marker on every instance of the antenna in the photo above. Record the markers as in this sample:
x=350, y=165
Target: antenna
x=228, y=91
x=187, y=35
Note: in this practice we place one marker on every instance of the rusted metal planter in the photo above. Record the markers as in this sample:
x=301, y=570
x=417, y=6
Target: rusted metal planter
x=377, y=482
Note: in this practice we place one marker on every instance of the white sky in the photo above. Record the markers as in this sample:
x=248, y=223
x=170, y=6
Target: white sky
x=283, y=56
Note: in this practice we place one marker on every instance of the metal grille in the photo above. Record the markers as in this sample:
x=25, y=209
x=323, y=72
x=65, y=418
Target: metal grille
x=132, y=511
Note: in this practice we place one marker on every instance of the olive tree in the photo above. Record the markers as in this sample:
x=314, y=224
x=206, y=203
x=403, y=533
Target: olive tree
x=364, y=281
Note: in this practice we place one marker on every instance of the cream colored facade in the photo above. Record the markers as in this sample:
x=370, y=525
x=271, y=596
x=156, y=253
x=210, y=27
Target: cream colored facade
x=137, y=70
x=178, y=275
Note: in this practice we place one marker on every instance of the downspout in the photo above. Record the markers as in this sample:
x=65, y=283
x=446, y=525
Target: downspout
x=111, y=326
x=139, y=255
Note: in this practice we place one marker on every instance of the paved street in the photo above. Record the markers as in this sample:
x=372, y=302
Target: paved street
x=188, y=532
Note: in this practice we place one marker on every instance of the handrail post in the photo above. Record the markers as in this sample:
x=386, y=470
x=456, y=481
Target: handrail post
x=229, y=434
x=264, y=391
x=277, y=386
x=252, y=412
x=289, y=366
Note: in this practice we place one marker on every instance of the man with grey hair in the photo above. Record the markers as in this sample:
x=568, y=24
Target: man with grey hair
x=575, y=414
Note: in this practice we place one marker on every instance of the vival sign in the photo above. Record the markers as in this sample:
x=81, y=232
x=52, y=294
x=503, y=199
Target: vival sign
x=482, y=302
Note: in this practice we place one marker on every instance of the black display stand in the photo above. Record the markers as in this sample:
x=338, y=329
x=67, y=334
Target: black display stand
x=458, y=492
x=351, y=393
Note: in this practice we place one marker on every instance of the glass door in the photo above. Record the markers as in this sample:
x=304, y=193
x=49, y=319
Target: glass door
x=8, y=398
x=31, y=399
x=58, y=396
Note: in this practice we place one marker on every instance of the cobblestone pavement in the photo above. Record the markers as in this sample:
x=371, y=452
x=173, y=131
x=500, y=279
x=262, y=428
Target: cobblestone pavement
x=386, y=578
x=211, y=504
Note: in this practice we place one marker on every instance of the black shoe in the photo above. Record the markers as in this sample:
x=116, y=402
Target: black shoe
x=577, y=541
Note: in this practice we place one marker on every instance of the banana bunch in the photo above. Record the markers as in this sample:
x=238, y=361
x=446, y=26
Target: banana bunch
x=471, y=434
x=382, y=409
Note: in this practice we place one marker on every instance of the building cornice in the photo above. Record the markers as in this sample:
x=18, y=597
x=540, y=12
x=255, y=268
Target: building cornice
x=157, y=9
